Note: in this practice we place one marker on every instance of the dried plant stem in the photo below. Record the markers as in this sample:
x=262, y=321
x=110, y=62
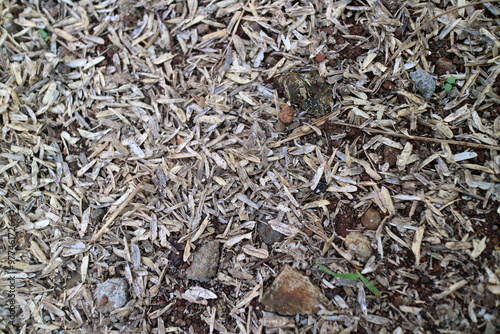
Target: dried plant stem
x=117, y=212
x=426, y=139
x=266, y=260
x=322, y=120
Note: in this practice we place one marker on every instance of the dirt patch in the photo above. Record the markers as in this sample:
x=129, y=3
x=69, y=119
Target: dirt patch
x=345, y=218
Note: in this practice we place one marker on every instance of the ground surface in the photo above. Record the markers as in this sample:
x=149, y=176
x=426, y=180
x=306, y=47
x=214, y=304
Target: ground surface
x=135, y=132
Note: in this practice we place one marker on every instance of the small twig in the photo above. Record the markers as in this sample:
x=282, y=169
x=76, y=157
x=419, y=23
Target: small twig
x=267, y=259
x=427, y=139
x=320, y=121
x=117, y=212
x=426, y=23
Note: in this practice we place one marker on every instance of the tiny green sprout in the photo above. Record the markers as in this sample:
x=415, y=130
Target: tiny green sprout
x=449, y=83
x=356, y=275
x=44, y=34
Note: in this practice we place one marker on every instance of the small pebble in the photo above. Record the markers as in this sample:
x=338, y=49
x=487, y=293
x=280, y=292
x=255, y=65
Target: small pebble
x=358, y=243
x=397, y=301
x=286, y=114
x=280, y=126
x=387, y=85
x=320, y=58
x=424, y=82
x=111, y=295
x=305, y=129
x=97, y=215
x=371, y=219
x=205, y=262
x=424, y=280
x=202, y=28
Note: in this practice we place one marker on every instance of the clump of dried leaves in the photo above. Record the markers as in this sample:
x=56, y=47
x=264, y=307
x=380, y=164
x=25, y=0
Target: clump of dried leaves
x=134, y=132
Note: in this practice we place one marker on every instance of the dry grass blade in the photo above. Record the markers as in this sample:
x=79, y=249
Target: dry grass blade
x=117, y=212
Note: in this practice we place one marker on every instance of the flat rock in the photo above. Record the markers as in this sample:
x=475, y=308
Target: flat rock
x=268, y=235
x=111, y=294
x=424, y=82
x=292, y=293
x=205, y=262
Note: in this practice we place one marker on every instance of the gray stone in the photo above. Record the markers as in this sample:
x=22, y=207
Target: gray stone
x=205, y=262
x=425, y=83
x=268, y=235
x=111, y=294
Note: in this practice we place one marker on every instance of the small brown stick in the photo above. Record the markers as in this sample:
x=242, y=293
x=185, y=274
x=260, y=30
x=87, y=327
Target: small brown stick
x=267, y=259
x=117, y=212
x=427, y=139
x=400, y=49
x=320, y=121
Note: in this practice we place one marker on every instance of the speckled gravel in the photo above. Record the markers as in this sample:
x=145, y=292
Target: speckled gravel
x=205, y=262
x=111, y=294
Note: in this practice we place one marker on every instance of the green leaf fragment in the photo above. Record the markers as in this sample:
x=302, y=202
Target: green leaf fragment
x=44, y=34
x=343, y=276
x=369, y=285
x=451, y=80
x=357, y=275
x=448, y=87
